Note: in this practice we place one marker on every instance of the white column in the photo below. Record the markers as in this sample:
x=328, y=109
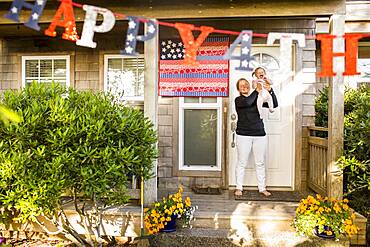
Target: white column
x=336, y=111
x=151, y=104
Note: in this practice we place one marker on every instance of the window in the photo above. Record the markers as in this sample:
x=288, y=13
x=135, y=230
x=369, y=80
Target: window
x=266, y=61
x=124, y=77
x=200, y=133
x=363, y=67
x=45, y=69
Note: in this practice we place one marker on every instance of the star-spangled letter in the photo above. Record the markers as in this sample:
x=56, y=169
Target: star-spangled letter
x=132, y=34
x=36, y=12
x=245, y=39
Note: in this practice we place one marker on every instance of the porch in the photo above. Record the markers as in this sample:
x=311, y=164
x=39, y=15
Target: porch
x=219, y=219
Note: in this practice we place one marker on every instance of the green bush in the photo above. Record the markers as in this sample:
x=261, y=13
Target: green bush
x=356, y=120
x=356, y=151
x=70, y=143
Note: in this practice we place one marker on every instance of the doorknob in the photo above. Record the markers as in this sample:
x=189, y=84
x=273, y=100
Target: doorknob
x=233, y=116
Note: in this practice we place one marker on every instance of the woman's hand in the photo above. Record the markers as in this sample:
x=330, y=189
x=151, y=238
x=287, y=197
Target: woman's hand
x=267, y=85
x=259, y=87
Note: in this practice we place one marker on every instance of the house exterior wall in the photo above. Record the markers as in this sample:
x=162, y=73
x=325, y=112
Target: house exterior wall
x=86, y=67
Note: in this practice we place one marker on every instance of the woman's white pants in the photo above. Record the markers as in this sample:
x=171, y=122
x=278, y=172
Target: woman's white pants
x=244, y=146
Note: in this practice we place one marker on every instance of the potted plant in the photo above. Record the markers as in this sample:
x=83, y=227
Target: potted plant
x=324, y=217
x=162, y=216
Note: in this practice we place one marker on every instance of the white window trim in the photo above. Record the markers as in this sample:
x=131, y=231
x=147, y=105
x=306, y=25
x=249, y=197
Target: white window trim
x=67, y=57
x=215, y=106
x=106, y=57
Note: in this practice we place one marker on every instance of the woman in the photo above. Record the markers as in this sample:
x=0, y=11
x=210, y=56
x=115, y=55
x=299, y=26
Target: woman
x=250, y=133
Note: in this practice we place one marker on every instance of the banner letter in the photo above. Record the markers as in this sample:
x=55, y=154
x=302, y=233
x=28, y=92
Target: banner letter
x=90, y=24
x=286, y=40
x=68, y=22
x=132, y=34
x=245, y=39
x=192, y=46
x=36, y=9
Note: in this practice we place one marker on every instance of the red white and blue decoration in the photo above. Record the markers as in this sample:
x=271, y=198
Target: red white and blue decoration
x=37, y=8
x=209, y=79
x=245, y=39
x=187, y=67
x=66, y=11
x=90, y=26
x=132, y=34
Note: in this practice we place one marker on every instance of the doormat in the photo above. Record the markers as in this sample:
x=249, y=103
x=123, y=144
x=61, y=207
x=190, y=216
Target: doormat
x=281, y=196
x=207, y=191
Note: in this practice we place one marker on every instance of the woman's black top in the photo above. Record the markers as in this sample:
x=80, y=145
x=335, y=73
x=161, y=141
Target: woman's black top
x=249, y=121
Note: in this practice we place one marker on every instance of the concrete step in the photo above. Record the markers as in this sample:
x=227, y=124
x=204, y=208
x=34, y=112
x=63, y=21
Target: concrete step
x=203, y=237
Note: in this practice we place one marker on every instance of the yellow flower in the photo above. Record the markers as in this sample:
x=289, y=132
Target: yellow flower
x=348, y=222
x=329, y=233
x=187, y=202
x=168, y=219
x=345, y=200
x=345, y=207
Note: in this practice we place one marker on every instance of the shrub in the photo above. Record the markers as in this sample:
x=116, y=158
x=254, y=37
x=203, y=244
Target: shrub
x=356, y=151
x=356, y=120
x=70, y=143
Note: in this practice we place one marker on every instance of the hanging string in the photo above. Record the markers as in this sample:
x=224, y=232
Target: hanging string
x=169, y=24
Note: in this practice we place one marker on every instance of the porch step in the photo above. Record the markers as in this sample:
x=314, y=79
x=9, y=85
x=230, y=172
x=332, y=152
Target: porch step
x=203, y=237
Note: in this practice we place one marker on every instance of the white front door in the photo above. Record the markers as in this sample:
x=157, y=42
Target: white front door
x=279, y=126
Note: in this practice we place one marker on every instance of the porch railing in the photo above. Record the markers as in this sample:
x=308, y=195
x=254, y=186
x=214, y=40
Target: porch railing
x=317, y=159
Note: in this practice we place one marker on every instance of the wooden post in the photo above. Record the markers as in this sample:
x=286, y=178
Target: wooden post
x=151, y=105
x=336, y=111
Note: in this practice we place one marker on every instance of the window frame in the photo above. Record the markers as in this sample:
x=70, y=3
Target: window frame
x=200, y=106
x=108, y=56
x=46, y=57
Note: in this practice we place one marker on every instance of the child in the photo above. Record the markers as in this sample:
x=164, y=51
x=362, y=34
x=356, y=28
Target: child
x=260, y=74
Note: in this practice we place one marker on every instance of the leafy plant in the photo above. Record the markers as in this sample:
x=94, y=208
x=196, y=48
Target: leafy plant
x=7, y=116
x=356, y=153
x=162, y=212
x=333, y=217
x=70, y=144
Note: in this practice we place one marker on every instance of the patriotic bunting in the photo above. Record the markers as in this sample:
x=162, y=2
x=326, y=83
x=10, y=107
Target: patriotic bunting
x=245, y=39
x=132, y=37
x=201, y=75
x=190, y=44
x=90, y=24
x=69, y=24
x=36, y=9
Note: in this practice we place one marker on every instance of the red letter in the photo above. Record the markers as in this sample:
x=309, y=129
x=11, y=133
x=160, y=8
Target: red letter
x=351, y=52
x=192, y=46
x=327, y=54
x=68, y=22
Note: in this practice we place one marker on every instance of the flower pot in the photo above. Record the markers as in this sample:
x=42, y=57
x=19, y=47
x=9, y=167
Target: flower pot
x=323, y=234
x=171, y=225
